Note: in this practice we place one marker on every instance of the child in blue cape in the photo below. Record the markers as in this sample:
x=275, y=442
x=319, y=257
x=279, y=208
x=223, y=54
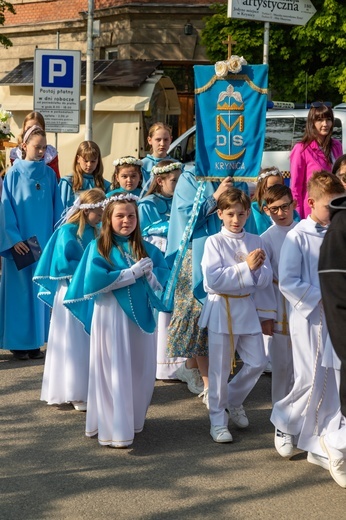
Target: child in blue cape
x=30, y=206
x=66, y=370
x=120, y=273
x=154, y=215
x=159, y=140
x=87, y=174
x=127, y=176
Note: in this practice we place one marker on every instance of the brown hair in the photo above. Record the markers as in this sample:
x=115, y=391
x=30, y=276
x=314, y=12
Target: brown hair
x=36, y=131
x=231, y=197
x=108, y=239
x=311, y=134
x=277, y=192
x=88, y=150
x=92, y=196
x=261, y=186
x=154, y=186
x=36, y=118
x=119, y=167
x=324, y=183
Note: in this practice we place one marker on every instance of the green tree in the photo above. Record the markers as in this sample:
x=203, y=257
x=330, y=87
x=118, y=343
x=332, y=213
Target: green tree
x=302, y=59
x=5, y=6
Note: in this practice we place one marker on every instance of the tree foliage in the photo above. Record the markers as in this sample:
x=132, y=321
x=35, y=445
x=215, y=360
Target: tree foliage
x=5, y=6
x=302, y=59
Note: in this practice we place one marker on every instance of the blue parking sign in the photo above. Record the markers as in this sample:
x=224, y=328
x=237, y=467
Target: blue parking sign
x=57, y=71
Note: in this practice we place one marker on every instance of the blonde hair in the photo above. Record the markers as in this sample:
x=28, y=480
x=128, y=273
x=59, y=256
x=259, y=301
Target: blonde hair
x=88, y=150
x=262, y=181
x=92, y=196
x=323, y=183
x=158, y=126
x=107, y=238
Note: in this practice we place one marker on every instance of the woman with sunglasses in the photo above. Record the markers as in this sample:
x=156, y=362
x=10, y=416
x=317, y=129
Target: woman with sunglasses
x=316, y=151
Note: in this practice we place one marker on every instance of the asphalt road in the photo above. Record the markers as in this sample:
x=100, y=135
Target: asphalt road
x=50, y=470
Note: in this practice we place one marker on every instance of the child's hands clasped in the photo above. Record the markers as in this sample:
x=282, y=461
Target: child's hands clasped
x=144, y=266
x=255, y=259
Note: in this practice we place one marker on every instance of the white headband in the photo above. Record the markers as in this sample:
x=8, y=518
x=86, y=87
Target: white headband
x=69, y=212
x=122, y=196
x=157, y=170
x=127, y=160
x=268, y=174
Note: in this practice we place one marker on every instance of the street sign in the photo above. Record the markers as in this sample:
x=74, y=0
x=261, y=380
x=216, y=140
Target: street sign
x=292, y=12
x=57, y=89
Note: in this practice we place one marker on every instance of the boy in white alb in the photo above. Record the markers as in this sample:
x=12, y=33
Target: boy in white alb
x=279, y=205
x=234, y=266
x=299, y=283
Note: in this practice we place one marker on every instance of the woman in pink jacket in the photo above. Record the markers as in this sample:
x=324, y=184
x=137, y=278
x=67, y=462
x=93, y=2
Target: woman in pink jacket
x=316, y=151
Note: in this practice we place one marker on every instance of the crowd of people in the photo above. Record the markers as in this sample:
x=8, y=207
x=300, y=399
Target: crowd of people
x=156, y=275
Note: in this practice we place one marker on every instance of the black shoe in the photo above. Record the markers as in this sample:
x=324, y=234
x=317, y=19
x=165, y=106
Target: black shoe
x=35, y=354
x=20, y=354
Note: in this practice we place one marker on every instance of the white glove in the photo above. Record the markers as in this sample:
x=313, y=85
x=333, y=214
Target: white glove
x=142, y=267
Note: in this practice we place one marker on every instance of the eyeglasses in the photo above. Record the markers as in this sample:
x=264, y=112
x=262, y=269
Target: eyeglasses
x=284, y=208
x=319, y=104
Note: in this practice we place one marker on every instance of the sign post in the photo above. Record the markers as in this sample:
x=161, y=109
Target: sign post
x=57, y=79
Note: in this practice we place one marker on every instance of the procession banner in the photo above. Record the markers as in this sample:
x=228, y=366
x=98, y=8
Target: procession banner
x=230, y=119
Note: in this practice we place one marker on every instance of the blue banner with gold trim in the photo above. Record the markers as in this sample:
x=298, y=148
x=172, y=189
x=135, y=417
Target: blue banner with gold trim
x=230, y=122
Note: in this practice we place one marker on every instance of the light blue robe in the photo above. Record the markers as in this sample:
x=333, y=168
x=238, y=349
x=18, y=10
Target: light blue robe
x=31, y=205
x=149, y=162
x=60, y=259
x=154, y=214
x=95, y=273
x=68, y=196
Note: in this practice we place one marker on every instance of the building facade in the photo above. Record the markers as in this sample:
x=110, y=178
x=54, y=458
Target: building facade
x=164, y=30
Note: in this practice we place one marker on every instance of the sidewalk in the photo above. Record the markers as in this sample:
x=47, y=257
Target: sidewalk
x=50, y=470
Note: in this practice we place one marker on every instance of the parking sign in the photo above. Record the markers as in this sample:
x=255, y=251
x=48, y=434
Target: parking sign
x=57, y=89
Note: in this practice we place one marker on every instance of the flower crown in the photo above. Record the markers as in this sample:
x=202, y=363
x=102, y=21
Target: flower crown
x=69, y=212
x=157, y=170
x=233, y=64
x=264, y=175
x=122, y=196
x=127, y=160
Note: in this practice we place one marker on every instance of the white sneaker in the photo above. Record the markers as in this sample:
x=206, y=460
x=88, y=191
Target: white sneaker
x=336, y=466
x=205, y=395
x=220, y=434
x=313, y=458
x=268, y=369
x=238, y=416
x=283, y=443
x=192, y=377
x=80, y=406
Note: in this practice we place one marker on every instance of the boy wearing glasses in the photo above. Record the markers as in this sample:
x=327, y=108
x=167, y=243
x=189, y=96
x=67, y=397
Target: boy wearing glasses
x=234, y=267
x=302, y=412
x=279, y=206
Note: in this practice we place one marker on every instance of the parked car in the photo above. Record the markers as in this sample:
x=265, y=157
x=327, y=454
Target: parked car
x=284, y=128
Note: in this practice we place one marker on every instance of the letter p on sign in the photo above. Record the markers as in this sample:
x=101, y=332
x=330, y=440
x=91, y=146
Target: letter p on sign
x=57, y=71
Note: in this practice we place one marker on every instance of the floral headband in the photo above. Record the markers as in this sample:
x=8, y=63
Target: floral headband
x=127, y=160
x=122, y=196
x=264, y=175
x=157, y=170
x=69, y=212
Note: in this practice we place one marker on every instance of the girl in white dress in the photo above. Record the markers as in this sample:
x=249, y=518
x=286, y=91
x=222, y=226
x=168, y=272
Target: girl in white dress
x=119, y=274
x=66, y=370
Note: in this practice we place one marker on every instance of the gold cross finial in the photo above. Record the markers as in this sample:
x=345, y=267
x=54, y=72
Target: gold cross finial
x=229, y=42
